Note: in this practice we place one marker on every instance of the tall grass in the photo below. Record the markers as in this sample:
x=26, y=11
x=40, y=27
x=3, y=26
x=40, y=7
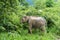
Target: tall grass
x=16, y=36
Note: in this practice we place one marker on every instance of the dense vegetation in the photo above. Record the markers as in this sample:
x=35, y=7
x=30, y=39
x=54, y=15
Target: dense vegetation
x=11, y=12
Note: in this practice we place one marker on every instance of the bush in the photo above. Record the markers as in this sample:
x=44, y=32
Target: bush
x=52, y=17
x=49, y=3
x=11, y=21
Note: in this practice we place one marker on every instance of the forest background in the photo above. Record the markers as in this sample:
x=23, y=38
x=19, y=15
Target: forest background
x=11, y=12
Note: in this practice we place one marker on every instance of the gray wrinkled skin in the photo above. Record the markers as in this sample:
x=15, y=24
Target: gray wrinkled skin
x=35, y=22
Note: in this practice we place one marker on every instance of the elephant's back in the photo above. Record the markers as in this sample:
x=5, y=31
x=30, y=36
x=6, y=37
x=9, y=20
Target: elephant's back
x=38, y=20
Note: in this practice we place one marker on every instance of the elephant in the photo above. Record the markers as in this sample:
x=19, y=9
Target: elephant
x=35, y=22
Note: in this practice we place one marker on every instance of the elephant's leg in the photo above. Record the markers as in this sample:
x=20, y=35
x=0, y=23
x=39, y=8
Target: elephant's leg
x=43, y=29
x=30, y=28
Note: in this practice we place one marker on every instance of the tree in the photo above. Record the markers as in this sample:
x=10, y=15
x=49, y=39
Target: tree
x=49, y=3
x=9, y=11
x=23, y=2
x=39, y=4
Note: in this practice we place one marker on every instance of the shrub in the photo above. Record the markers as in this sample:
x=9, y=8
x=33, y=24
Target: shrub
x=11, y=21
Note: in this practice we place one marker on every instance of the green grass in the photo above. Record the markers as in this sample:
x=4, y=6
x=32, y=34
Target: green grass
x=16, y=36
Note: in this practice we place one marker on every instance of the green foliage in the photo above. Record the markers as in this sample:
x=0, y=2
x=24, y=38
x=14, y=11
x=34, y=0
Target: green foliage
x=11, y=12
x=49, y=3
x=53, y=20
x=2, y=29
x=24, y=2
x=16, y=36
x=9, y=18
x=39, y=4
x=11, y=21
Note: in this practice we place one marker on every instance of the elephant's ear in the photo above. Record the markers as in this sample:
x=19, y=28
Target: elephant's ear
x=28, y=18
x=28, y=21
